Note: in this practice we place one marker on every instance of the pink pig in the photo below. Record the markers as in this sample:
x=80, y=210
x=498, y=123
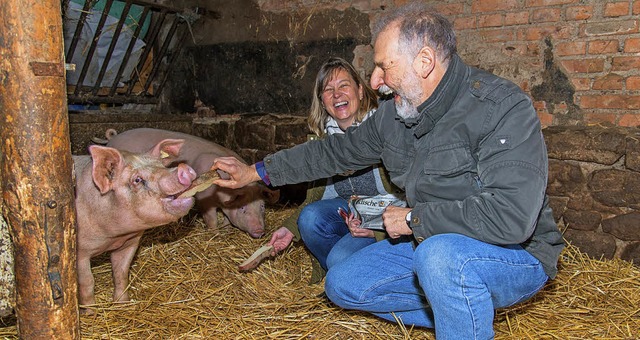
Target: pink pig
x=119, y=195
x=244, y=207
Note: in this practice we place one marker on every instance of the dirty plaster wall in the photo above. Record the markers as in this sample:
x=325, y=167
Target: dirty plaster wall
x=247, y=60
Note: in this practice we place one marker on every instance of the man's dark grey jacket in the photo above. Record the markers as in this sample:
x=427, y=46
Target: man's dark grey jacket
x=473, y=163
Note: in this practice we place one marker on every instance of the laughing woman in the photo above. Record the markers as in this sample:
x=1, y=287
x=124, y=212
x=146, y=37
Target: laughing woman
x=341, y=100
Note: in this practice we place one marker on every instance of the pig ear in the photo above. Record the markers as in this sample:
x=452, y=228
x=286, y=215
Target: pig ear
x=167, y=150
x=271, y=196
x=107, y=164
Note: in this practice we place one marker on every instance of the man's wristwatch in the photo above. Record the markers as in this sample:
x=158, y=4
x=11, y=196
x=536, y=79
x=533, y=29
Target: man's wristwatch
x=408, y=219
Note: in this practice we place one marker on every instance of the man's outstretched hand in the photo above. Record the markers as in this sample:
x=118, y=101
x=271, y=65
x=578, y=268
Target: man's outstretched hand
x=240, y=174
x=280, y=240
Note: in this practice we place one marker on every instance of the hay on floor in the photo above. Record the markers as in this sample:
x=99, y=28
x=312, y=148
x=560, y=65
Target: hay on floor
x=186, y=285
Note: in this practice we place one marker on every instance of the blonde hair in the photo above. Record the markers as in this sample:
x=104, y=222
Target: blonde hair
x=318, y=115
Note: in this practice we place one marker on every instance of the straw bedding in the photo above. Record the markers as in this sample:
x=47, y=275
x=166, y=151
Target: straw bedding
x=185, y=284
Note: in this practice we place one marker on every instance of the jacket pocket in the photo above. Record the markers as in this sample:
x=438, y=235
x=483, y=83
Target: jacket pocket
x=449, y=161
x=396, y=160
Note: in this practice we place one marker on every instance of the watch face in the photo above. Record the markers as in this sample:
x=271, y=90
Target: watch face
x=408, y=217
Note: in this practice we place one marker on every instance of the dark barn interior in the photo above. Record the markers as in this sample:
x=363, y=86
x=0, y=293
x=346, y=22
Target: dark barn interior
x=241, y=73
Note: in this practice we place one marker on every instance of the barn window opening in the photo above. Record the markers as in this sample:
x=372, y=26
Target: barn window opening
x=119, y=52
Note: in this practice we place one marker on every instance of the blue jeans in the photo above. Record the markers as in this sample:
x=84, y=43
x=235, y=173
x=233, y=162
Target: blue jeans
x=326, y=235
x=448, y=282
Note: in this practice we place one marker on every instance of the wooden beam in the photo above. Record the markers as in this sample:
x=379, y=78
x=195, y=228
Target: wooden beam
x=37, y=184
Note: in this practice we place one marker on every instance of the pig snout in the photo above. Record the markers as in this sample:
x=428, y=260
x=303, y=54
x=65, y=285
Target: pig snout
x=173, y=185
x=249, y=219
x=256, y=231
x=186, y=174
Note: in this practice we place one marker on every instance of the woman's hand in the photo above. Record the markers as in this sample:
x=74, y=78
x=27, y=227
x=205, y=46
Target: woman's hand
x=354, y=226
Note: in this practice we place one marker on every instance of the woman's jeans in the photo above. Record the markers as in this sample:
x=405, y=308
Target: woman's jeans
x=325, y=233
x=448, y=282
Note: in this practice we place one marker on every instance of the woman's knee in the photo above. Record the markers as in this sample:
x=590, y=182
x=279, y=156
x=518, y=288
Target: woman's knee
x=338, y=254
x=307, y=219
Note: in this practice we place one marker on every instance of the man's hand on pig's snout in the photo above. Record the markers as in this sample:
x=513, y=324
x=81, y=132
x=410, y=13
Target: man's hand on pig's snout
x=240, y=174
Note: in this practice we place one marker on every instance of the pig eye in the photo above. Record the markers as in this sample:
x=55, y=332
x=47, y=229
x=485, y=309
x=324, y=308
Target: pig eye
x=138, y=180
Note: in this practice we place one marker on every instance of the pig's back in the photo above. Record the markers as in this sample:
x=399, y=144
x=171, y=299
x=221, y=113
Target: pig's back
x=194, y=148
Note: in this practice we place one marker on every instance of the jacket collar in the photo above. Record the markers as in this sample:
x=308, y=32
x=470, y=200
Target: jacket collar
x=432, y=109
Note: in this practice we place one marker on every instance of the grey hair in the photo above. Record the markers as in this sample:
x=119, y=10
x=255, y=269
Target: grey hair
x=419, y=26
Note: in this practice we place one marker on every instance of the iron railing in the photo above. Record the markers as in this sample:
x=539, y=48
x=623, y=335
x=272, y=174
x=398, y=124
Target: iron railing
x=135, y=66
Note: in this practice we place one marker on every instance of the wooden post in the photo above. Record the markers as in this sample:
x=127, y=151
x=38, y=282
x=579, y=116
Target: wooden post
x=37, y=186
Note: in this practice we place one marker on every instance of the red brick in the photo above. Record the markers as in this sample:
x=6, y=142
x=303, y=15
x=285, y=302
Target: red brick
x=540, y=3
x=546, y=15
x=540, y=105
x=479, y=6
x=632, y=45
x=625, y=63
x=546, y=119
x=610, y=101
x=633, y=83
x=636, y=7
x=629, y=120
x=609, y=27
x=464, y=23
x=539, y=33
x=581, y=84
x=616, y=9
x=579, y=12
x=497, y=35
x=603, y=46
x=611, y=81
x=583, y=65
x=491, y=20
x=516, y=18
x=571, y=48
x=449, y=9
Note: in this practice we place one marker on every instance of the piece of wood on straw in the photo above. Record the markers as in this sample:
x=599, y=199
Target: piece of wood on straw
x=254, y=260
x=204, y=181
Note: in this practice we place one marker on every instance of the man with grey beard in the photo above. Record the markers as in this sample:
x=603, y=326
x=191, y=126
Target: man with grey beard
x=467, y=148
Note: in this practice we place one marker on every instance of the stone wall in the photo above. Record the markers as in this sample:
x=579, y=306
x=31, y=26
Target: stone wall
x=594, y=184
